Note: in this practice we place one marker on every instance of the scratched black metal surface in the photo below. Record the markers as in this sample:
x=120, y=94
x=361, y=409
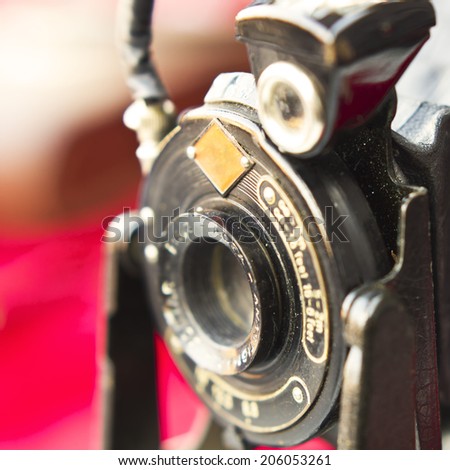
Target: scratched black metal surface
x=422, y=151
x=369, y=153
x=132, y=416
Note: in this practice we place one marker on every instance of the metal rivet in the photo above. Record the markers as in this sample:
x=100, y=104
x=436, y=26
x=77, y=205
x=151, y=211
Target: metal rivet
x=167, y=288
x=297, y=394
x=151, y=253
x=245, y=162
x=191, y=152
x=147, y=213
x=270, y=196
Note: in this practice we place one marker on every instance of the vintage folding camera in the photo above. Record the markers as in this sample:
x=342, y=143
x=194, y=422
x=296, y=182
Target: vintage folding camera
x=292, y=249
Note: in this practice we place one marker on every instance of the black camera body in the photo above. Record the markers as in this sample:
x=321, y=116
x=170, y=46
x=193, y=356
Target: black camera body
x=292, y=248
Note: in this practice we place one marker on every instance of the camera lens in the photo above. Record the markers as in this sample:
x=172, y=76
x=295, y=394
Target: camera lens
x=247, y=303
x=217, y=292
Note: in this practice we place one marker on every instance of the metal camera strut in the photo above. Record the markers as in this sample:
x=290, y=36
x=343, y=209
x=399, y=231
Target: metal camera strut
x=318, y=328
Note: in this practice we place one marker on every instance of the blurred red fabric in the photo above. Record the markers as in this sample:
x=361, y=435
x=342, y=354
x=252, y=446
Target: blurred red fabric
x=50, y=312
x=52, y=324
x=49, y=290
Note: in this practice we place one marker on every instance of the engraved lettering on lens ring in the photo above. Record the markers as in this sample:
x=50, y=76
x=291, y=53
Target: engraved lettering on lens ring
x=315, y=336
x=255, y=413
x=196, y=343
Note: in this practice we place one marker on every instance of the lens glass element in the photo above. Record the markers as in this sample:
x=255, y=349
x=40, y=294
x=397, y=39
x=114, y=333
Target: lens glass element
x=217, y=292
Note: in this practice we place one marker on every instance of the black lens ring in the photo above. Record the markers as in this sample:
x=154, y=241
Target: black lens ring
x=310, y=187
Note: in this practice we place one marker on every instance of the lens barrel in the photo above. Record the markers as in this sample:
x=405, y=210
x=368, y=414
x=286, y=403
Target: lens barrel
x=251, y=256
